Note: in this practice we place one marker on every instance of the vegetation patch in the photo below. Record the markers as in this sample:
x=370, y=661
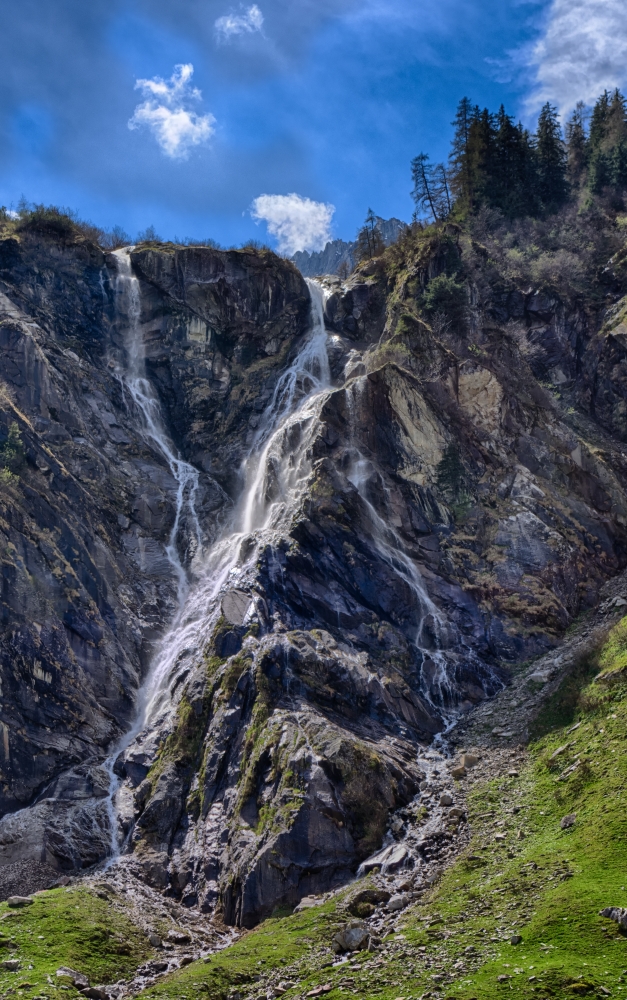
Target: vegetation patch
x=68, y=927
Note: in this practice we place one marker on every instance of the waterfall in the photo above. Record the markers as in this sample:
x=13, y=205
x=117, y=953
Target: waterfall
x=438, y=641
x=274, y=473
x=389, y=546
x=148, y=407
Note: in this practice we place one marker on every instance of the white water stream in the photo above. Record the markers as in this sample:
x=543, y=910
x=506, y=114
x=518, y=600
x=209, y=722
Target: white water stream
x=274, y=473
x=148, y=408
x=389, y=546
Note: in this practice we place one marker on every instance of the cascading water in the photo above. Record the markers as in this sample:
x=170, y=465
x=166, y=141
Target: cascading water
x=148, y=409
x=434, y=636
x=275, y=474
x=390, y=548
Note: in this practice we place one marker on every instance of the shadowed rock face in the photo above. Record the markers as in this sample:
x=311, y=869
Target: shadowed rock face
x=457, y=517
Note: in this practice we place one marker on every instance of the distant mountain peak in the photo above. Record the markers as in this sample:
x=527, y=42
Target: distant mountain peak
x=337, y=252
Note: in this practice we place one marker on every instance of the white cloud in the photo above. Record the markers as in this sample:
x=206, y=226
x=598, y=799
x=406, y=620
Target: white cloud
x=239, y=24
x=297, y=223
x=583, y=50
x=164, y=111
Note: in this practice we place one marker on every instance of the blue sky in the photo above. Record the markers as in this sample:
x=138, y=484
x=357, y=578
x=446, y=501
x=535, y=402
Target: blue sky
x=325, y=99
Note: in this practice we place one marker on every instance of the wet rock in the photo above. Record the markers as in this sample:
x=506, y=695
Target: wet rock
x=158, y=966
x=179, y=936
x=390, y=859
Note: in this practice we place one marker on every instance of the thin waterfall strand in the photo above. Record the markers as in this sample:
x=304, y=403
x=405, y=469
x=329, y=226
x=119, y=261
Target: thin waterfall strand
x=148, y=407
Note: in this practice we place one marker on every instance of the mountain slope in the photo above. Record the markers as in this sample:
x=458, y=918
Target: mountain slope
x=386, y=521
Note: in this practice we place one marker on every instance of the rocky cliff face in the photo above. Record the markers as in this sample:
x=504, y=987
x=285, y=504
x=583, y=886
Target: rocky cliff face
x=385, y=519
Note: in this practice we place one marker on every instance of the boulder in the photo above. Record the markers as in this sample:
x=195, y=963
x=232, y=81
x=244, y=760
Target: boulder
x=568, y=821
x=11, y=964
x=390, y=859
x=307, y=902
x=446, y=799
x=398, y=902
x=469, y=760
x=159, y=966
x=617, y=913
x=78, y=979
x=458, y=772
x=95, y=993
x=363, y=903
x=354, y=936
x=17, y=901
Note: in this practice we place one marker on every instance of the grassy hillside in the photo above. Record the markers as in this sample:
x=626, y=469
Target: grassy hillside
x=70, y=927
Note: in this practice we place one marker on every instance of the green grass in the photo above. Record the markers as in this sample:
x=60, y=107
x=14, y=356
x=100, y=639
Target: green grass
x=72, y=927
x=291, y=945
x=541, y=882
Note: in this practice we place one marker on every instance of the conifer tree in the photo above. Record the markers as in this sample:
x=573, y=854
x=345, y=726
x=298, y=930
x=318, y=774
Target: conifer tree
x=608, y=144
x=459, y=159
x=480, y=154
x=511, y=169
x=423, y=192
x=599, y=120
x=369, y=240
x=550, y=159
x=576, y=144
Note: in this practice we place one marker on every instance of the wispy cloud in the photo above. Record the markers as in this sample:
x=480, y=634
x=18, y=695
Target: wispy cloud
x=297, y=223
x=166, y=113
x=246, y=23
x=582, y=51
